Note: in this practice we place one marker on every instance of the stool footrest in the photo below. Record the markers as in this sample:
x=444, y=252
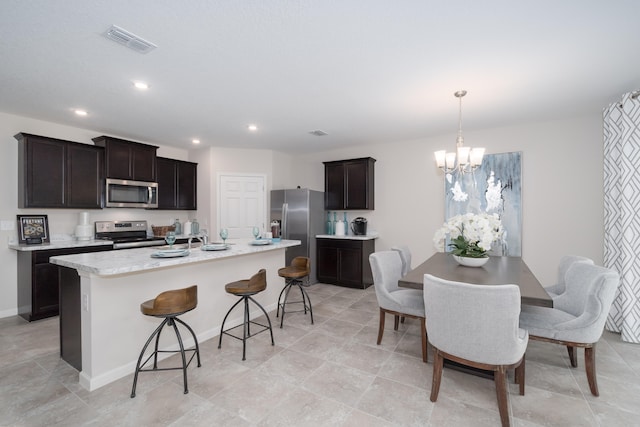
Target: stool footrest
x=143, y=369
x=251, y=334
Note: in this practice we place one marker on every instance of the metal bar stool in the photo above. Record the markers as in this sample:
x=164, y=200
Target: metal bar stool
x=300, y=267
x=169, y=305
x=245, y=289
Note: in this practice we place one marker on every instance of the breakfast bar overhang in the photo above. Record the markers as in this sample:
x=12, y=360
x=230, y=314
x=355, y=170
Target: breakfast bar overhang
x=101, y=327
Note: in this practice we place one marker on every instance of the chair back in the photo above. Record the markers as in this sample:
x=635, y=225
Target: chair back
x=590, y=291
x=475, y=322
x=258, y=281
x=302, y=263
x=175, y=301
x=566, y=262
x=386, y=267
x=405, y=256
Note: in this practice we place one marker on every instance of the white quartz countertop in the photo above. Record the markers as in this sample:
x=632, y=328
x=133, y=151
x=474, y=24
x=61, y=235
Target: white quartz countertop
x=139, y=259
x=368, y=236
x=59, y=244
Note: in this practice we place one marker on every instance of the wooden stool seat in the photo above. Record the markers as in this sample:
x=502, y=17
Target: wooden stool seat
x=169, y=304
x=300, y=268
x=245, y=289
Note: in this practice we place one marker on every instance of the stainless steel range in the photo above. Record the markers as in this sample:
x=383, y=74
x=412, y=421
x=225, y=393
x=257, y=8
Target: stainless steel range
x=126, y=234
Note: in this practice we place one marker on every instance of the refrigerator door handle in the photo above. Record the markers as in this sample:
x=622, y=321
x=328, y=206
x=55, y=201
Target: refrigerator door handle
x=285, y=213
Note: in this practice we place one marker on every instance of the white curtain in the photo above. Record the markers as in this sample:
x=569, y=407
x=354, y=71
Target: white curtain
x=622, y=212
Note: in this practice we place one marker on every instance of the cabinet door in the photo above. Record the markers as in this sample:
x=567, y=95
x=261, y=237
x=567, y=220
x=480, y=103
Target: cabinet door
x=118, y=160
x=45, y=291
x=143, y=162
x=356, y=185
x=42, y=176
x=187, y=177
x=334, y=186
x=167, y=183
x=350, y=266
x=85, y=166
x=327, y=263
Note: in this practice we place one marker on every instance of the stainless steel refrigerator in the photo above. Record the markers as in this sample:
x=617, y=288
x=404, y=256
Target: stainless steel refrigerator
x=301, y=215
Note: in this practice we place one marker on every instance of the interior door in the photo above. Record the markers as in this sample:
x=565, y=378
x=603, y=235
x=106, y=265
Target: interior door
x=241, y=204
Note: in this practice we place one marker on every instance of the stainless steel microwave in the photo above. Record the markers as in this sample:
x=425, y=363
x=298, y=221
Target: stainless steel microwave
x=123, y=193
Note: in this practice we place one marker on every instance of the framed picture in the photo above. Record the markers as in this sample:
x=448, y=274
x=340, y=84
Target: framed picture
x=495, y=187
x=33, y=229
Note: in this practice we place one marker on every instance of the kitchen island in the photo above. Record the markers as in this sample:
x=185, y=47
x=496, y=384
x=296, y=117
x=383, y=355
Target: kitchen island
x=101, y=327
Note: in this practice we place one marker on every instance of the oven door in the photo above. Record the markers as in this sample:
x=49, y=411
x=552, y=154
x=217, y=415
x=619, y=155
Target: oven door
x=122, y=193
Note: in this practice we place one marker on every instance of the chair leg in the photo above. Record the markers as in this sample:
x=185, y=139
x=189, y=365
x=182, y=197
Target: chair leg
x=305, y=296
x=245, y=329
x=437, y=374
x=284, y=302
x=265, y=315
x=590, y=367
x=500, y=379
x=144, y=348
x=381, y=326
x=184, y=359
x=520, y=375
x=396, y=322
x=286, y=286
x=423, y=331
x=194, y=339
x=225, y=319
x=573, y=357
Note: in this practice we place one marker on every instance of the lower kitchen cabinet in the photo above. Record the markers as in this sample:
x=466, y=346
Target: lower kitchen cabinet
x=345, y=262
x=38, y=281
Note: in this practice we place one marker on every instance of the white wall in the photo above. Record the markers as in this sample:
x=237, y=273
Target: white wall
x=562, y=188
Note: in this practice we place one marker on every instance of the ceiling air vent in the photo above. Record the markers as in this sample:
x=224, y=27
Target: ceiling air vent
x=318, y=132
x=128, y=39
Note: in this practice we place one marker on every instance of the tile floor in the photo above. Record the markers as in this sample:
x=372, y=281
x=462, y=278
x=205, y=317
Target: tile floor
x=331, y=373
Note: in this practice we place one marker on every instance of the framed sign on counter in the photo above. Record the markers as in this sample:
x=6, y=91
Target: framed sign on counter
x=33, y=229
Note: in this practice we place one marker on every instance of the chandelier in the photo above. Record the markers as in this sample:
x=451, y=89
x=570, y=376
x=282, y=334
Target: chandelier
x=464, y=159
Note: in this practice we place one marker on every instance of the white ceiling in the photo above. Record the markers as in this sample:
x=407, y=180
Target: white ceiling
x=365, y=71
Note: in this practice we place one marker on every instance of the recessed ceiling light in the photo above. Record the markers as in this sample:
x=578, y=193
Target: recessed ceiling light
x=195, y=141
x=80, y=112
x=141, y=85
x=252, y=128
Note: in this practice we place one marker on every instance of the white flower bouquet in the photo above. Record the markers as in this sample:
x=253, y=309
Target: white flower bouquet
x=471, y=235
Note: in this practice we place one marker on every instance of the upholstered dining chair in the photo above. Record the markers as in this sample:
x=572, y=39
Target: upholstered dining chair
x=405, y=256
x=565, y=262
x=476, y=326
x=386, y=267
x=578, y=315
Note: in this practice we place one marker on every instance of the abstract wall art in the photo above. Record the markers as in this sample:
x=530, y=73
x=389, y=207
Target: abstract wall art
x=494, y=187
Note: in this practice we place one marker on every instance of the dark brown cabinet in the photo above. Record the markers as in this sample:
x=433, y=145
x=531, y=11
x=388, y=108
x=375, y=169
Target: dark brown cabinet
x=349, y=184
x=38, y=281
x=127, y=159
x=345, y=262
x=54, y=173
x=177, y=184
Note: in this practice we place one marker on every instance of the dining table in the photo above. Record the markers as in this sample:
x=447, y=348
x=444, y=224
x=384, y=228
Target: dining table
x=499, y=270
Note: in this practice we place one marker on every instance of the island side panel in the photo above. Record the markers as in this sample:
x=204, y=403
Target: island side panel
x=70, y=317
x=114, y=330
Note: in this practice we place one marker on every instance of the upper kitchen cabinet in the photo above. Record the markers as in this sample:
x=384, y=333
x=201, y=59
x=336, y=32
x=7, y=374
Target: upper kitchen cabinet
x=349, y=184
x=177, y=184
x=54, y=173
x=127, y=159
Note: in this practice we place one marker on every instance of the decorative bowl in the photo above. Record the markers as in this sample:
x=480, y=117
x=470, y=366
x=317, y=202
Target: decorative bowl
x=471, y=262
